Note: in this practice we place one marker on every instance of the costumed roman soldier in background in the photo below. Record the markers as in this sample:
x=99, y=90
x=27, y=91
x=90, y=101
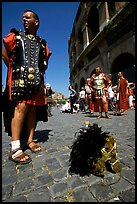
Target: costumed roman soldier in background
x=122, y=103
x=99, y=84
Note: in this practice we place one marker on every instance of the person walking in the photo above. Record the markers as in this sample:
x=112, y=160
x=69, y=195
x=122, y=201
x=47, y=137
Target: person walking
x=82, y=99
x=49, y=92
x=99, y=86
x=110, y=98
x=26, y=56
x=73, y=98
x=88, y=96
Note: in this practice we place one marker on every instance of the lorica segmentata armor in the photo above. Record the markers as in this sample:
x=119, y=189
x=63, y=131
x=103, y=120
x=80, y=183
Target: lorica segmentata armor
x=28, y=65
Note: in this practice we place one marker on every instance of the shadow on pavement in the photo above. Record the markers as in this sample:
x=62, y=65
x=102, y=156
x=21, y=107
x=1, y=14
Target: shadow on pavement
x=42, y=135
x=39, y=136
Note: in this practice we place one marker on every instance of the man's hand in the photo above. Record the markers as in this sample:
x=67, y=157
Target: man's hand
x=105, y=89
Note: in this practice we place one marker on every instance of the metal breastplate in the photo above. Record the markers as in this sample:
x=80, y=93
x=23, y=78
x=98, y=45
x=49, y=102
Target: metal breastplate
x=99, y=82
x=28, y=65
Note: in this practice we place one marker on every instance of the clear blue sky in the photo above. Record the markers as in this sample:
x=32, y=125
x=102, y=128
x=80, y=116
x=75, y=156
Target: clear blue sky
x=56, y=22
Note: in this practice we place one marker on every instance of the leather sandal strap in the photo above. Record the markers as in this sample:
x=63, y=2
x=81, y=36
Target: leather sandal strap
x=15, y=150
x=33, y=148
x=22, y=155
x=30, y=142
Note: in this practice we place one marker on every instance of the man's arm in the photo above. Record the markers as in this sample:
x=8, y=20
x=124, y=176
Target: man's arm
x=118, y=85
x=5, y=57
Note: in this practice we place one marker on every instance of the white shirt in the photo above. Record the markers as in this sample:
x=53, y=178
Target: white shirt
x=82, y=94
x=110, y=92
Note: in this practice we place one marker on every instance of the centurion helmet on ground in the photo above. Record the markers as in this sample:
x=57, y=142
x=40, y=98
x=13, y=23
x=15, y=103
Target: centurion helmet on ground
x=93, y=152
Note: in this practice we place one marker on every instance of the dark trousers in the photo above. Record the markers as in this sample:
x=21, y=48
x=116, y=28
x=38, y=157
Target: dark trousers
x=72, y=101
x=82, y=104
x=110, y=104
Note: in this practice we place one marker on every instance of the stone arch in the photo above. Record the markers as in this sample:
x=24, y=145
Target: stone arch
x=93, y=25
x=124, y=62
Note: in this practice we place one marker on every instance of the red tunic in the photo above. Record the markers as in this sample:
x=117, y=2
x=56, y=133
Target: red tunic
x=123, y=94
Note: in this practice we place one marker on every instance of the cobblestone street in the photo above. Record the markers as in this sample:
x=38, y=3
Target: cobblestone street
x=46, y=178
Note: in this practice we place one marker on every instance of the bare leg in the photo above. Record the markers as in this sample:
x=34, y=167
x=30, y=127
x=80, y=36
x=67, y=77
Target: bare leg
x=31, y=122
x=16, y=127
x=117, y=108
x=99, y=108
x=18, y=120
x=105, y=107
x=106, y=111
x=31, y=129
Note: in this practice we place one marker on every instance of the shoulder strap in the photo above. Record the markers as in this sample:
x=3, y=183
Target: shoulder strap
x=43, y=41
x=13, y=30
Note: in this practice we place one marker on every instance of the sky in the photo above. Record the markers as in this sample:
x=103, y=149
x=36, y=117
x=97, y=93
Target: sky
x=56, y=23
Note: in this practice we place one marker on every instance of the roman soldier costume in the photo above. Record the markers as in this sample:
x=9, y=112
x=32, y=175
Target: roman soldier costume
x=28, y=62
x=28, y=56
x=99, y=83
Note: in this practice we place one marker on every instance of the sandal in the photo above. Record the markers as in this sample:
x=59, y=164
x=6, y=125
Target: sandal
x=100, y=115
x=34, y=148
x=107, y=115
x=16, y=156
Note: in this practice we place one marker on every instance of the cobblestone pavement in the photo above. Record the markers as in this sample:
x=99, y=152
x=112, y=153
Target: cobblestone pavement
x=46, y=178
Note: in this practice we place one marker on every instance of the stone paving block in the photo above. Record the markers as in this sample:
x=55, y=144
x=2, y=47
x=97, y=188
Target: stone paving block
x=60, y=174
x=128, y=161
x=128, y=195
x=101, y=191
x=110, y=178
x=129, y=175
x=130, y=150
x=9, y=166
x=39, y=161
x=23, y=186
x=39, y=195
x=51, y=150
x=58, y=189
x=6, y=192
x=64, y=156
x=26, y=170
x=19, y=198
x=64, y=163
x=122, y=185
x=91, y=179
x=8, y=178
x=59, y=200
x=42, y=180
x=83, y=195
x=75, y=182
x=40, y=171
x=64, y=159
x=52, y=164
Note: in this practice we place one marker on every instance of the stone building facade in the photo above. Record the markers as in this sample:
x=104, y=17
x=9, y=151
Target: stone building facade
x=103, y=34
x=58, y=97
